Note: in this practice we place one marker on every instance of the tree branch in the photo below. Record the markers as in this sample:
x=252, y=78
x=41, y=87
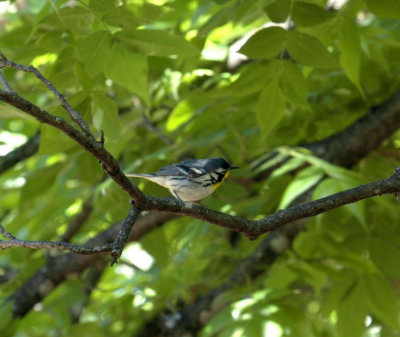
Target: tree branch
x=19, y=154
x=115, y=248
x=59, y=268
x=344, y=148
x=109, y=163
x=74, y=115
x=14, y=242
x=254, y=228
x=250, y=228
x=4, y=81
x=126, y=227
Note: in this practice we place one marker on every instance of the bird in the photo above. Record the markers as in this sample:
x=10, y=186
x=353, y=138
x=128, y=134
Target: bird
x=191, y=179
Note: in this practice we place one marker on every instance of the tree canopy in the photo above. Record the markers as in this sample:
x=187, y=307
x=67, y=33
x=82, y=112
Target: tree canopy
x=303, y=96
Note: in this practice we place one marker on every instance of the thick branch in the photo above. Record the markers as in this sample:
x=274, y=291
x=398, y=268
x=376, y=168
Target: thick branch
x=353, y=143
x=74, y=115
x=345, y=148
x=248, y=227
x=109, y=163
x=254, y=228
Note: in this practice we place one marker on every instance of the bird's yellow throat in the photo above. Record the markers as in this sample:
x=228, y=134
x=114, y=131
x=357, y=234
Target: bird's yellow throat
x=215, y=186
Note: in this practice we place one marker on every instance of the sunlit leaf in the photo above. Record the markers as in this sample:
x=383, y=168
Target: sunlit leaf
x=128, y=69
x=303, y=181
x=105, y=115
x=95, y=52
x=185, y=110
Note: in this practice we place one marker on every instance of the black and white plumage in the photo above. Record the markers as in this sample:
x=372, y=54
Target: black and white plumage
x=192, y=179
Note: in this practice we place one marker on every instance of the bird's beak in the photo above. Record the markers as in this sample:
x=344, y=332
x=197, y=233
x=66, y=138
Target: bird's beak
x=234, y=167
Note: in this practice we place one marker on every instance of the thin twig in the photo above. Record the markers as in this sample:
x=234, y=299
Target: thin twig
x=74, y=115
x=14, y=242
x=6, y=234
x=5, y=83
x=123, y=234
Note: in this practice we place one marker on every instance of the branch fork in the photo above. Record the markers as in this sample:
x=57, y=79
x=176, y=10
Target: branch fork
x=250, y=228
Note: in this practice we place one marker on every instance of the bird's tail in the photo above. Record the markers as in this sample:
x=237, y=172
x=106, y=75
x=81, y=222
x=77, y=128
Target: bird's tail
x=160, y=180
x=140, y=175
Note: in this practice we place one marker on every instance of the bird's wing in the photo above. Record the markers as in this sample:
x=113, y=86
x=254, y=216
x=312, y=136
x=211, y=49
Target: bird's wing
x=182, y=169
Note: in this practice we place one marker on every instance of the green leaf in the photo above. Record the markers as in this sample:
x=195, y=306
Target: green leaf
x=157, y=42
x=88, y=168
x=53, y=141
x=308, y=14
x=331, y=186
x=266, y=43
x=185, y=110
x=105, y=115
x=102, y=6
x=278, y=11
x=83, y=78
x=294, y=85
x=128, y=69
x=156, y=245
x=61, y=71
x=351, y=313
x=381, y=299
x=350, y=50
x=135, y=14
x=310, y=51
x=385, y=255
x=52, y=41
x=385, y=8
x=303, y=181
x=250, y=81
x=77, y=19
x=95, y=51
x=270, y=107
x=8, y=324
x=122, y=17
x=38, y=183
x=340, y=287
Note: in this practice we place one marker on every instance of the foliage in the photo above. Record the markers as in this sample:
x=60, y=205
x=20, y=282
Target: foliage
x=164, y=81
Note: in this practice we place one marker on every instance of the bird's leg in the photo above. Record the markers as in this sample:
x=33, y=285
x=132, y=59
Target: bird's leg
x=180, y=201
